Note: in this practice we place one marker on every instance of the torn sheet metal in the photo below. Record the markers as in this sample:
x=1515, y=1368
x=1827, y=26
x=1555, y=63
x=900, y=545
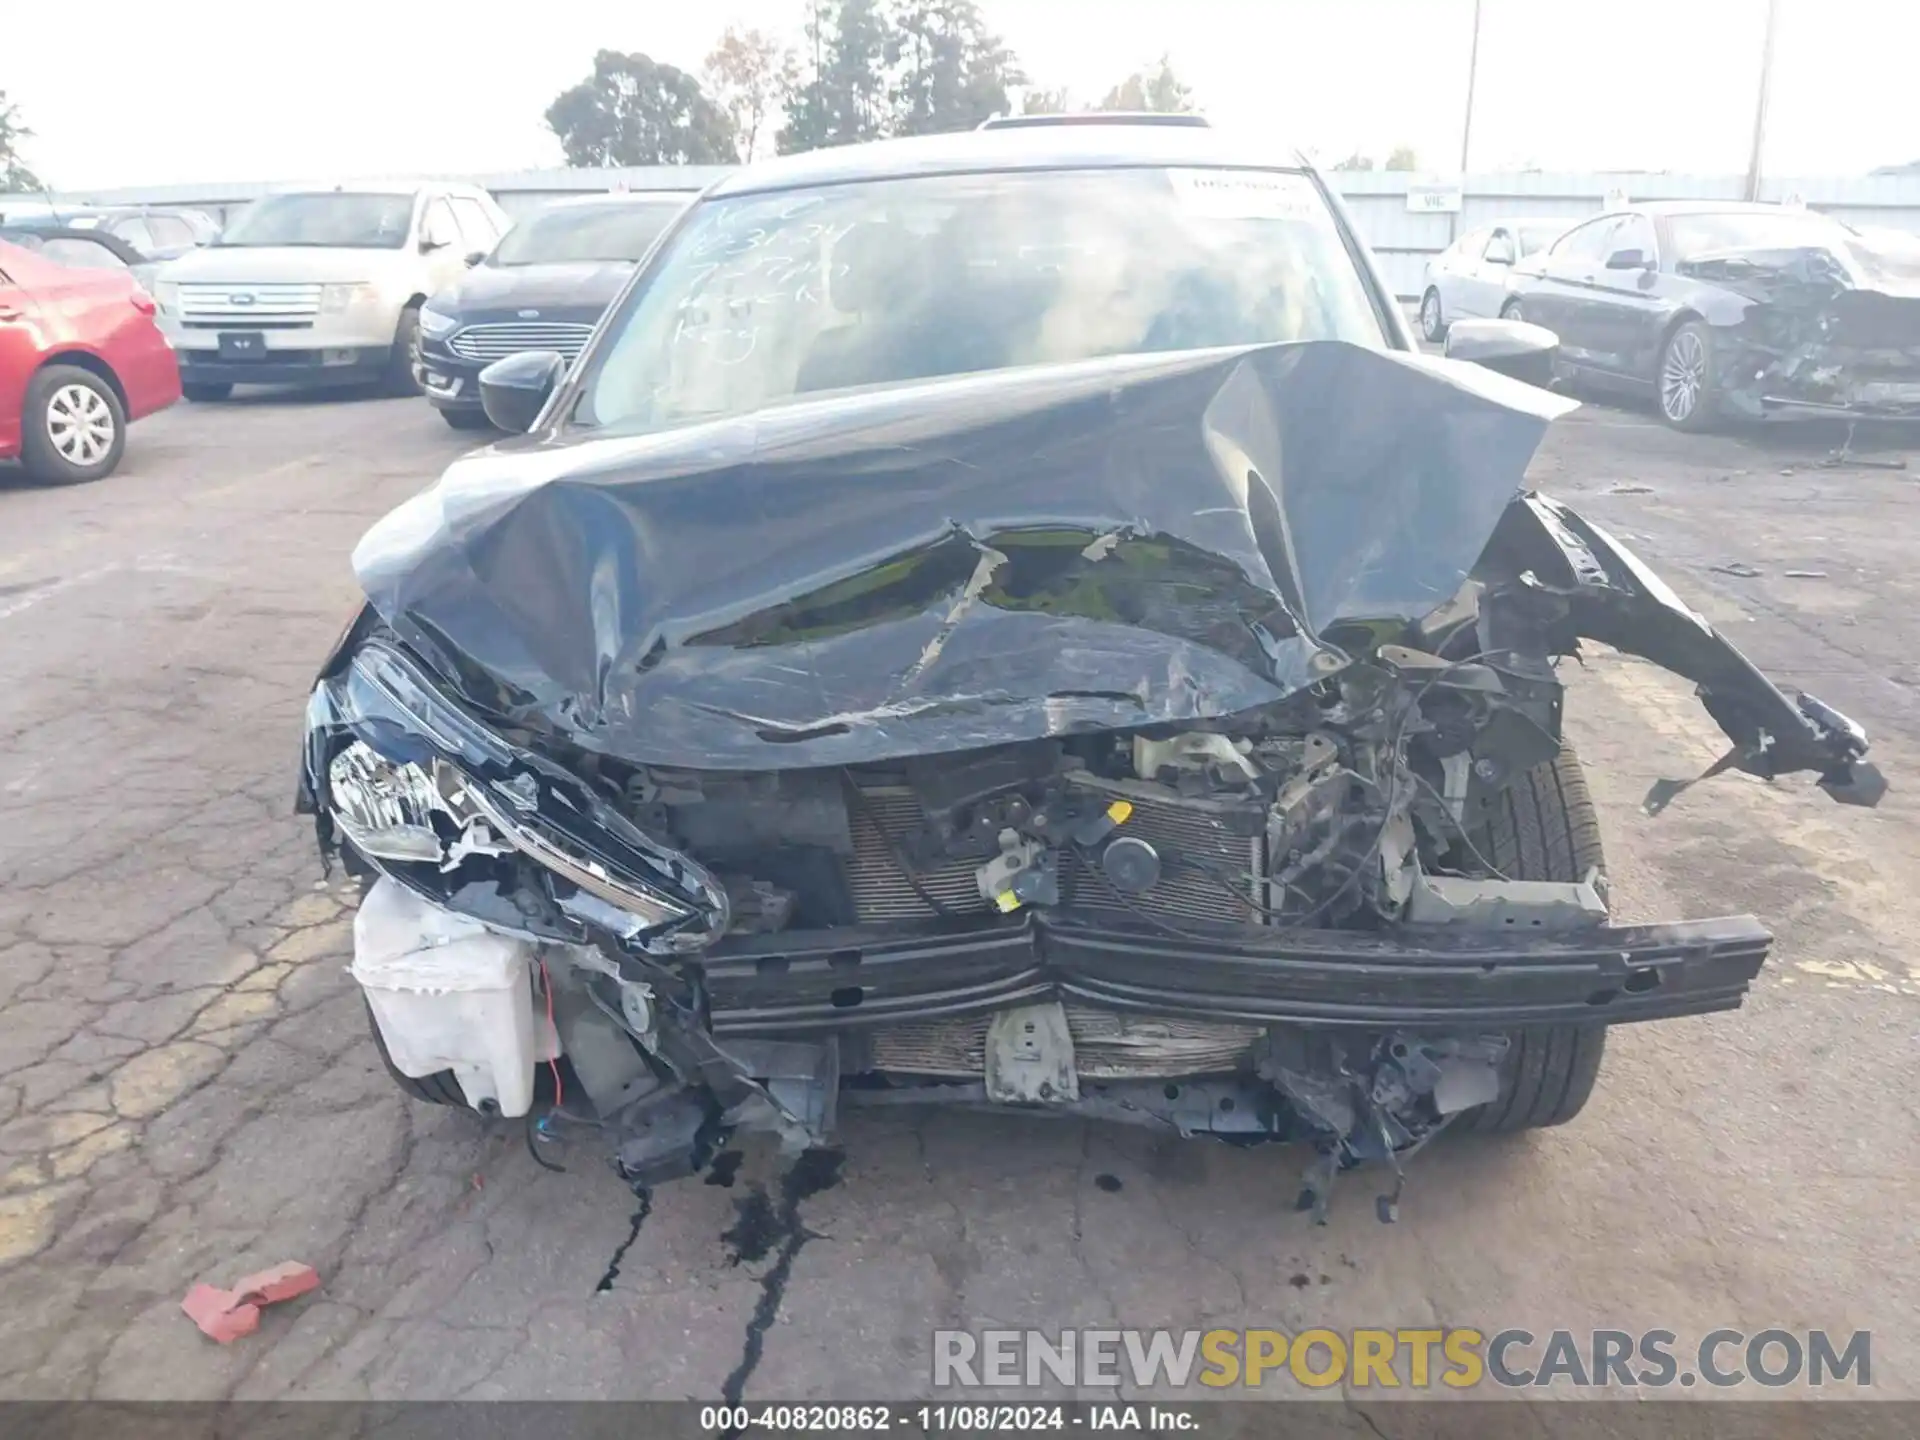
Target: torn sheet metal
x=966, y=562
x=1607, y=593
x=1824, y=328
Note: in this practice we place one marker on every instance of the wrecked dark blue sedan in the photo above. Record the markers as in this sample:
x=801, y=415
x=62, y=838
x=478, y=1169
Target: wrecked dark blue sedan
x=1009, y=620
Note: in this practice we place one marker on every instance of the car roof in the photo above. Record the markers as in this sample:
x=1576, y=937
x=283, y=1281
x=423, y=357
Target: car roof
x=34, y=237
x=1523, y=222
x=380, y=187
x=619, y=197
x=1706, y=207
x=1078, y=145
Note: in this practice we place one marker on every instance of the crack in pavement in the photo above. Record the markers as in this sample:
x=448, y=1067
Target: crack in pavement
x=643, y=1197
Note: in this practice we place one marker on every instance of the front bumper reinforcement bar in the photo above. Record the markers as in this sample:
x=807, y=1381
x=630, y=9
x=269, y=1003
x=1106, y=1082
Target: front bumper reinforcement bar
x=1435, y=980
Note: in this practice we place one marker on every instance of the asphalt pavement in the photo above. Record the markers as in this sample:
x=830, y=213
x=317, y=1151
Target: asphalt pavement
x=188, y=1090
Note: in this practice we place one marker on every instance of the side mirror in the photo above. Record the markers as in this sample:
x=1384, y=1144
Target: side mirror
x=1512, y=347
x=1499, y=257
x=1627, y=260
x=428, y=244
x=474, y=257
x=513, y=391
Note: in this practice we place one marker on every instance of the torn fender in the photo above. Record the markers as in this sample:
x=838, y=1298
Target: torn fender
x=1607, y=593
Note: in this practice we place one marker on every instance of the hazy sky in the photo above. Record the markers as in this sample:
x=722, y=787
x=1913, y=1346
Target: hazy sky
x=196, y=90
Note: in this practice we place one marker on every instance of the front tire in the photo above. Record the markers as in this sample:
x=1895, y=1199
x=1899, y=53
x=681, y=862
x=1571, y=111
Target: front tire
x=1543, y=827
x=205, y=392
x=398, y=380
x=466, y=419
x=439, y=1088
x=1433, y=325
x=1686, y=383
x=72, y=427
x=1513, y=310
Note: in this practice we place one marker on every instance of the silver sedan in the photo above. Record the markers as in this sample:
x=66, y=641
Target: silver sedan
x=1468, y=279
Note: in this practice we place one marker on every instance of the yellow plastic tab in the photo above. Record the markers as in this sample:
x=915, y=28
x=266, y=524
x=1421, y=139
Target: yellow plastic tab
x=1119, y=811
x=1007, y=901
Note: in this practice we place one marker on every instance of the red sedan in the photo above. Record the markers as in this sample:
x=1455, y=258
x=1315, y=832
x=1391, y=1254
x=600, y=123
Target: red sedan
x=80, y=356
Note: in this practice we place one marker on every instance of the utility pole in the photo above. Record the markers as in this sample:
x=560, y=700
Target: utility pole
x=1760, y=105
x=1466, y=125
x=1473, y=66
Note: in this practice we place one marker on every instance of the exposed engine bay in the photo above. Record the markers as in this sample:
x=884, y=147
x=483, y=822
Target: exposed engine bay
x=1058, y=811
x=1824, y=333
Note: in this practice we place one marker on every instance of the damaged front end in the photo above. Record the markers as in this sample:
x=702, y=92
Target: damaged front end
x=1141, y=739
x=1825, y=330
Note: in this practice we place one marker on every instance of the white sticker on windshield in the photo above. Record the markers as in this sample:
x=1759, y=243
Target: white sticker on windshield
x=1246, y=194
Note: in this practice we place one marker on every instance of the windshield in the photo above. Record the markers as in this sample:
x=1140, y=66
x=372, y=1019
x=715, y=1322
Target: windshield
x=586, y=233
x=764, y=297
x=1751, y=230
x=332, y=218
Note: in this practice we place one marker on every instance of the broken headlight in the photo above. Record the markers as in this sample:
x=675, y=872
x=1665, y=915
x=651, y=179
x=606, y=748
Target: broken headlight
x=385, y=809
x=419, y=787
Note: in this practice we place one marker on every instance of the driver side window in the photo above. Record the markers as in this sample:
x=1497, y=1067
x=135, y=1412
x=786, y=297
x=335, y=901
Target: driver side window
x=1635, y=232
x=1592, y=241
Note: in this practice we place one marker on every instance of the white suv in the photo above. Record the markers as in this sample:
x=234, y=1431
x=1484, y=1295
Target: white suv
x=321, y=287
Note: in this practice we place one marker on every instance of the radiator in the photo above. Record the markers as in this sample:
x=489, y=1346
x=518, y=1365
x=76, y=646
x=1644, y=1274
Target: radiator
x=1106, y=1046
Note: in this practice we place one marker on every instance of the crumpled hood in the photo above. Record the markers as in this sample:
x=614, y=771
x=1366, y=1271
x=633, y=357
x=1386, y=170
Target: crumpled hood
x=957, y=563
x=582, y=286
x=1814, y=272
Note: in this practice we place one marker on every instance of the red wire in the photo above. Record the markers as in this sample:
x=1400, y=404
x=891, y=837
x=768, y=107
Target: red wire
x=553, y=1061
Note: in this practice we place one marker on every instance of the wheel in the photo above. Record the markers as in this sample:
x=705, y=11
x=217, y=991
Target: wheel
x=440, y=1088
x=1685, y=382
x=1543, y=827
x=1513, y=310
x=406, y=339
x=72, y=427
x=1432, y=326
x=466, y=419
x=204, y=392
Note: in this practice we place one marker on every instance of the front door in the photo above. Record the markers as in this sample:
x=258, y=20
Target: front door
x=19, y=358
x=1626, y=301
x=1562, y=299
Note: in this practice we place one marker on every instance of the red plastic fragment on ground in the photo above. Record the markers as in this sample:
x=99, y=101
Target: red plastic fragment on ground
x=226, y=1315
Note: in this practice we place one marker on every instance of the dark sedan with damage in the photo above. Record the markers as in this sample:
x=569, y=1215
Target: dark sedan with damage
x=544, y=287
x=1724, y=311
x=1009, y=620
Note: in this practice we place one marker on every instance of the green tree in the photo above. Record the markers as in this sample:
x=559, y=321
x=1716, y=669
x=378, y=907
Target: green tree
x=952, y=72
x=748, y=74
x=15, y=177
x=1402, y=157
x=635, y=111
x=843, y=96
x=1355, y=161
x=1155, y=90
x=1039, y=101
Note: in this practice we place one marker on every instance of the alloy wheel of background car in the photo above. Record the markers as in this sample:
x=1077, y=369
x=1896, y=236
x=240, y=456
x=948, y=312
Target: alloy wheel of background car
x=1512, y=310
x=1685, y=372
x=75, y=427
x=1430, y=322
